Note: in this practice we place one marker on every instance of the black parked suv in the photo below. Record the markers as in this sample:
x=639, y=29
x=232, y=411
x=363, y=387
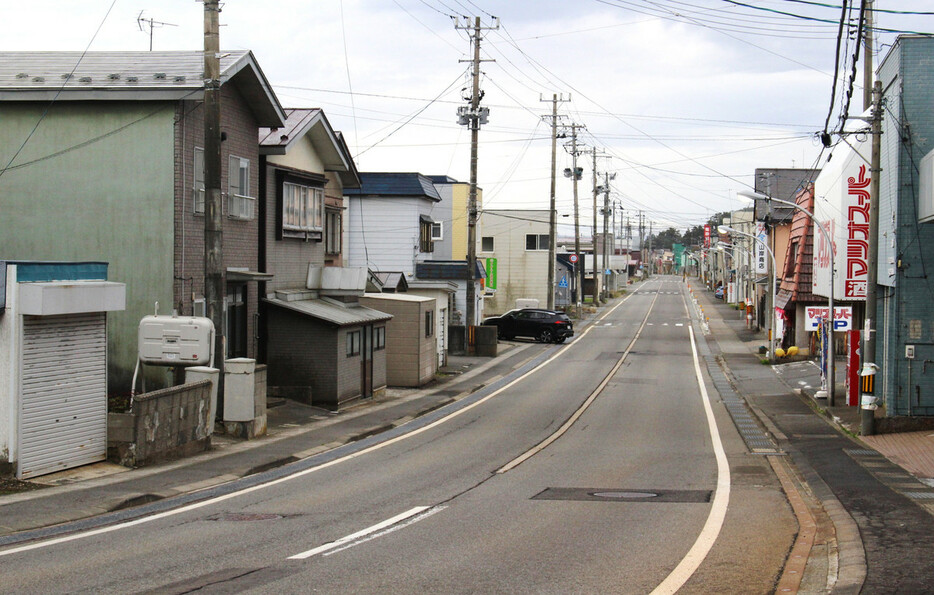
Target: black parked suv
x=546, y=326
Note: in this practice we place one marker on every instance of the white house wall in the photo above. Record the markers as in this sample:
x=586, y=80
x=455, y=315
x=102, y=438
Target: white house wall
x=383, y=234
x=521, y=273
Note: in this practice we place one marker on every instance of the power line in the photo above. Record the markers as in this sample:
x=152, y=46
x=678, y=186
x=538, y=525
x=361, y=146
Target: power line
x=58, y=93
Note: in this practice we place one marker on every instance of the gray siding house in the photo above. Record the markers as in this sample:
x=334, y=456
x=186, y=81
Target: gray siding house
x=321, y=346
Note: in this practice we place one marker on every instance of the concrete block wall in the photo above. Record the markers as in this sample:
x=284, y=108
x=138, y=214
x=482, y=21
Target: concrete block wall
x=164, y=424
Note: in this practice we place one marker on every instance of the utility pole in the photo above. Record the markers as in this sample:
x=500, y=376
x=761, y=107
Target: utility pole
x=867, y=61
x=628, y=247
x=651, y=258
x=473, y=116
x=606, y=232
x=214, y=278
x=642, y=242
x=593, y=234
x=575, y=174
x=552, y=217
x=868, y=399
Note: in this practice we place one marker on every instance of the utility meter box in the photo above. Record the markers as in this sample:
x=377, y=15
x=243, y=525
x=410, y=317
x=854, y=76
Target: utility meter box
x=175, y=340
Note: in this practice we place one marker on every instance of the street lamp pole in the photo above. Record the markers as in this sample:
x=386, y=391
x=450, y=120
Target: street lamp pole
x=771, y=318
x=831, y=372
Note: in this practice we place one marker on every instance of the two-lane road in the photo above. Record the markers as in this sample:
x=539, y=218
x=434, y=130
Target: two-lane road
x=611, y=467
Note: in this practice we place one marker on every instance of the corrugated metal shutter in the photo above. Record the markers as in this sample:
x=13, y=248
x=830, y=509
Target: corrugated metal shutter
x=63, y=416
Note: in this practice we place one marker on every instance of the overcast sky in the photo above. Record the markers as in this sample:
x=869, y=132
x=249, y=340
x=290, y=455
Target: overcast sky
x=682, y=99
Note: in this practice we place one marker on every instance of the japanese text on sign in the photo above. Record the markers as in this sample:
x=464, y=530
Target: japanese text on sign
x=843, y=317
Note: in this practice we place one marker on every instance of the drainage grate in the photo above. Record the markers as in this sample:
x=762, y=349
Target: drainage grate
x=919, y=495
x=860, y=452
x=624, y=495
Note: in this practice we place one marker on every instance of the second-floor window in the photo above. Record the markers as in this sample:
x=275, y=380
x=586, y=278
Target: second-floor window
x=302, y=207
x=486, y=244
x=425, y=243
x=792, y=261
x=197, y=191
x=536, y=241
x=240, y=203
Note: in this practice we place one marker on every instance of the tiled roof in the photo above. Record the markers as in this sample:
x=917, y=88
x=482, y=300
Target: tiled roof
x=798, y=283
x=395, y=184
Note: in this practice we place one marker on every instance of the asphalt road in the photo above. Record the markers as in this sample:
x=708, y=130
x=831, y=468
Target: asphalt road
x=629, y=497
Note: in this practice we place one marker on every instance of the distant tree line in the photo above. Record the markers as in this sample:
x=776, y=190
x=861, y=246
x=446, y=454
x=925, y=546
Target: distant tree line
x=693, y=236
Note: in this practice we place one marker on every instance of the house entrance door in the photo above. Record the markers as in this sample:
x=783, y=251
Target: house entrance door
x=366, y=362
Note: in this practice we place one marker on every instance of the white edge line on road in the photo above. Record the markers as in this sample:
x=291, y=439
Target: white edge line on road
x=375, y=447
x=708, y=535
x=360, y=534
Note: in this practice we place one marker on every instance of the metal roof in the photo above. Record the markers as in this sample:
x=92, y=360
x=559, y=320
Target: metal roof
x=132, y=76
x=447, y=269
x=332, y=311
x=388, y=184
x=328, y=143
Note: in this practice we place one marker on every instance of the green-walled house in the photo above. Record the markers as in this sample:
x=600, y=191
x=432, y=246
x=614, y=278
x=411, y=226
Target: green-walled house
x=102, y=157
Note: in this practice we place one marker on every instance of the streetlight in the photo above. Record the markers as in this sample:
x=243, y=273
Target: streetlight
x=771, y=318
x=831, y=373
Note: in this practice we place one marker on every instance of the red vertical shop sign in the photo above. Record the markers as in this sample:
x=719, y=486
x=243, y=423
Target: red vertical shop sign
x=852, y=368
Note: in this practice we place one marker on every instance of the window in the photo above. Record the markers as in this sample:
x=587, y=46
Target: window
x=353, y=343
x=429, y=327
x=424, y=237
x=302, y=207
x=197, y=192
x=240, y=205
x=333, y=238
x=379, y=338
x=486, y=244
x=437, y=232
x=536, y=241
x=792, y=261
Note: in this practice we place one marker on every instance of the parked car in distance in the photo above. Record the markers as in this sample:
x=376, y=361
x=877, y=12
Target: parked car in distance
x=546, y=326
x=718, y=293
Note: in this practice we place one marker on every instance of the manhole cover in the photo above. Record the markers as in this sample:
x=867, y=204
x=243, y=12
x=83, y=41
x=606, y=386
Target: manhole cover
x=625, y=495
x=244, y=516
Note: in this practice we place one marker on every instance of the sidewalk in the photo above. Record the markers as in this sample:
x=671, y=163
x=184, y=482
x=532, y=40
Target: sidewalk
x=874, y=519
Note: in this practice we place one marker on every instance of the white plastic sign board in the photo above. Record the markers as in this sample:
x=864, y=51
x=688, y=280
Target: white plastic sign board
x=843, y=317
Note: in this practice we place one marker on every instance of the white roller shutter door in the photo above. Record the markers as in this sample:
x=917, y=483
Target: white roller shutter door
x=63, y=415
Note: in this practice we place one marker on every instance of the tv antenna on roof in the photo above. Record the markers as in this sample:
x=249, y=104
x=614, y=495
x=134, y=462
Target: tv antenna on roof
x=152, y=24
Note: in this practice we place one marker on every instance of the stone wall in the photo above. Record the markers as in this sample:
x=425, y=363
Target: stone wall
x=164, y=424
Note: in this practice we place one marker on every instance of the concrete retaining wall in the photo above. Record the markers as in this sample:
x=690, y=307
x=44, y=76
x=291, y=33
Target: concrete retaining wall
x=164, y=424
